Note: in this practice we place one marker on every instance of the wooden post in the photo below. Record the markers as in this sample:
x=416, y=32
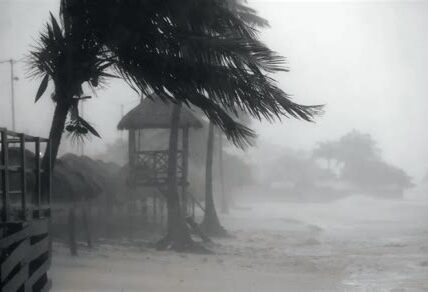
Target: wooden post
x=144, y=209
x=131, y=182
x=49, y=170
x=185, y=160
x=161, y=211
x=49, y=195
x=138, y=140
x=131, y=147
x=131, y=211
x=5, y=175
x=155, y=213
x=23, y=177
x=38, y=178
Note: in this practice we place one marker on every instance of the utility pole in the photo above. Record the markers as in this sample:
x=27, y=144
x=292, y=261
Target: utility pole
x=13, y=78
x=12, y=93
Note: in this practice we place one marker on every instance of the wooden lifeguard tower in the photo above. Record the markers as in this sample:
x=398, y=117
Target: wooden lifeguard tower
x=148, y=125
x=25, y=244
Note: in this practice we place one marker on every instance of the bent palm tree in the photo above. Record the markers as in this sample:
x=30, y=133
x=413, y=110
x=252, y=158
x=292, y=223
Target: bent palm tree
x=194, y=52
x=201, y=52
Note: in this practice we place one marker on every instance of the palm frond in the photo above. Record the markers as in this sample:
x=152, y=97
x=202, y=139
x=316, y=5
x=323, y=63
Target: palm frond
x=239, y=134
x=68, y=59
x=203, y=52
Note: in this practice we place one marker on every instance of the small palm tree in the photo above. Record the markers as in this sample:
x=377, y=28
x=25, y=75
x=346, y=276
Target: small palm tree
x=68, y=58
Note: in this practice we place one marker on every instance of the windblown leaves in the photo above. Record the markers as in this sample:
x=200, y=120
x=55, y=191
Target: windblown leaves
x=201, y=52
x=42, y=87
x=69, y=59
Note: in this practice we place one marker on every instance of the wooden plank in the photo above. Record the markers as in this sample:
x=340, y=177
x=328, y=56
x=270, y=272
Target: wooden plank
x=49, y=195
x=28, y=138
x=17, y=281
x=13, y=169
x=18, y=255
x=5, y=176
x=16, y=169
x=38, y=273
x=13, y=141
x=39, y=248
x=23, y=178
x=38, y=190
x=14, y=193
x=15, y=237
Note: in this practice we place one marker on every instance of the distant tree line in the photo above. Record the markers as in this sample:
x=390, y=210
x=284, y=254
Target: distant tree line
x=352, y=164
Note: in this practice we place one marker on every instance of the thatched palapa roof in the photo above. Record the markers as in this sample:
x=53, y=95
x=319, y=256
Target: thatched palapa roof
x=153, y=113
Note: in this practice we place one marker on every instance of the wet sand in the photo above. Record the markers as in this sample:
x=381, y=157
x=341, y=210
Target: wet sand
x=355, y=244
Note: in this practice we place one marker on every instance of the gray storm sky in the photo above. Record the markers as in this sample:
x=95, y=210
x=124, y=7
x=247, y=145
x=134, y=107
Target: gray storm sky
x=368, y=61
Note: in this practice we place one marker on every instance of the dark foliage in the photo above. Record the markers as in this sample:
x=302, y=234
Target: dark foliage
x=204, y=53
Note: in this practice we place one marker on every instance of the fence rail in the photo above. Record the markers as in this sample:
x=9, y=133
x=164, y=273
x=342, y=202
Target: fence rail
x=25, y=189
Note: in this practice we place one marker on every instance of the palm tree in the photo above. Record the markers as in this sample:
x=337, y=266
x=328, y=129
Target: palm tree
x=210, y=224
x=69, y=58
x=225, y=200
x=204, y=53
x=178, y=235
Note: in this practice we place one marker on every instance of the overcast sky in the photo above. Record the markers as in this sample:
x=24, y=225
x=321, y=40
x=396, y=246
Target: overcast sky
x=367, y=62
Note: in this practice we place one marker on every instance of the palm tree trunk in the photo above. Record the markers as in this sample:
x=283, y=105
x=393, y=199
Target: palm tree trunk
x=55, y=135
x=178, y=235
x=224, y=199
x=210, y=224
x=48, y=162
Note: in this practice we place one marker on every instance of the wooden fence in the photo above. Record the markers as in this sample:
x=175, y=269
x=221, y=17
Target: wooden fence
x=25, y=244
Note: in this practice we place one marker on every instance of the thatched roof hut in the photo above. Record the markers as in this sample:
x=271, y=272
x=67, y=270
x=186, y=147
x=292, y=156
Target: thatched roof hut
x=153, y=113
